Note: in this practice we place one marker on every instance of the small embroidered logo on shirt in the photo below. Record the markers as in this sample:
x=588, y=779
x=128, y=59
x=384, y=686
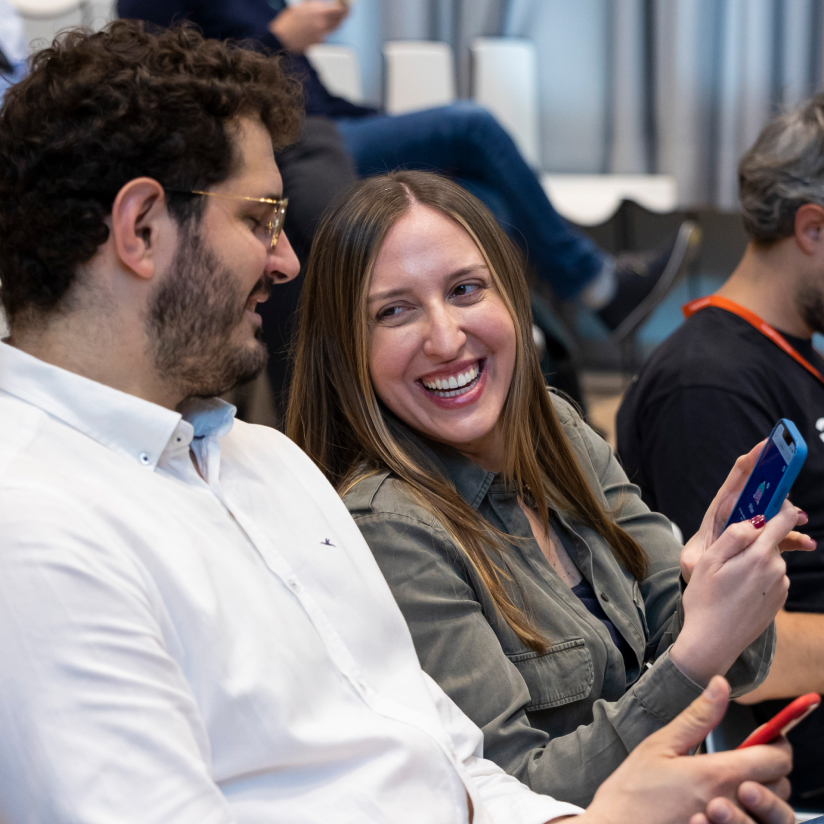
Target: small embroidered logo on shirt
x=327, y=542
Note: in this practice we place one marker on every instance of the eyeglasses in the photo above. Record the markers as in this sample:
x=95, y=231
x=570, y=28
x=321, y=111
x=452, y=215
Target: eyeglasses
x=270, y=226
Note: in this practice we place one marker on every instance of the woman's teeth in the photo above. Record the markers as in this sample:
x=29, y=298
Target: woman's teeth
x=454, y=385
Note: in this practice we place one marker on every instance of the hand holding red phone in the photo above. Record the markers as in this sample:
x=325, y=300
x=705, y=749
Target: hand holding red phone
x=784, y=721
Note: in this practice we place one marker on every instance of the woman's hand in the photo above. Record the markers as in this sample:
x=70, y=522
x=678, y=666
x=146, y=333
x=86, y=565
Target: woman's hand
x=660, y=784
x=737, y=587
x=719, y=512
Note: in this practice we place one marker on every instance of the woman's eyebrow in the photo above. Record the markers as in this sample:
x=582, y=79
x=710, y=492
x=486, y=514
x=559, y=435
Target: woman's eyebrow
x=395, y=293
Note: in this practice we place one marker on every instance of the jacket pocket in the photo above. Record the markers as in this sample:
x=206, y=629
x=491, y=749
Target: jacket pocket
x=561, y=675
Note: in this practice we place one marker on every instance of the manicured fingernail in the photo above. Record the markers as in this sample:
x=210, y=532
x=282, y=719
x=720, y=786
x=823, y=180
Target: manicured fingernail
x=802, y=513
x=758, y=521
x=721, y=815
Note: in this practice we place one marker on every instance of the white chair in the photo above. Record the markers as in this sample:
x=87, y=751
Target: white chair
x=339, y=70
x=43, y=19
x=419, y=75
x=592, y=199
x=504, y=81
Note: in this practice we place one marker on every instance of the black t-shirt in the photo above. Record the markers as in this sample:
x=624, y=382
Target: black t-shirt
x=708, y=394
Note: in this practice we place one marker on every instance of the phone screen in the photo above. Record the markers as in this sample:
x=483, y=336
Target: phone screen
x=765, y=477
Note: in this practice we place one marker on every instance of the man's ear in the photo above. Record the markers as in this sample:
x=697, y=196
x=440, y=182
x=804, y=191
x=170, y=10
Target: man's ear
x=809, y=228
x=138, y=217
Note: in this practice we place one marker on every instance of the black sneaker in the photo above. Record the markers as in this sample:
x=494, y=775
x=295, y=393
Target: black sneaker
x=644, y=280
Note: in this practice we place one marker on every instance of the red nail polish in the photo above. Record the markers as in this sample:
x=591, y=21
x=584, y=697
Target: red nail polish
x=758, y=521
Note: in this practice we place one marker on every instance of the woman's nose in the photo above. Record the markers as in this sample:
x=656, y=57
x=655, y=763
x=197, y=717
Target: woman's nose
x=282, y=264
x=445, y=335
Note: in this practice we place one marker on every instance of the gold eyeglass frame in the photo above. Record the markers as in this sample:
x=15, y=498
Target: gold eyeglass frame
x=273, y=228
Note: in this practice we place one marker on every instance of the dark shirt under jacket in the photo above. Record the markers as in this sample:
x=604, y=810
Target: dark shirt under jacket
x=708, y=394
x=243, y=20
x=564, y=720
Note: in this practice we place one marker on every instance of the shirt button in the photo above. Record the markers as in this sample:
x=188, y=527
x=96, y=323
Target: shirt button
x=362, y=685
x=604, y=597
x=294, y=585
x=145, y=459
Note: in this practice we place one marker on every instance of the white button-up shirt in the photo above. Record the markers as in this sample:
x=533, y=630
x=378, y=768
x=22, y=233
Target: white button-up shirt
x=205, y=646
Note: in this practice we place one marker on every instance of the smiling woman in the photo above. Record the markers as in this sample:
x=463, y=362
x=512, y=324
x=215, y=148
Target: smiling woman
x=540, y=591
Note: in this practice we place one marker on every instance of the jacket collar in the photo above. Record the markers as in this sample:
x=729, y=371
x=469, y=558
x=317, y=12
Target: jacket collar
x=471, y=481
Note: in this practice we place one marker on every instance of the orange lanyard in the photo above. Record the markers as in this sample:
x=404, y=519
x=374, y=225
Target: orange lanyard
x=762, y=326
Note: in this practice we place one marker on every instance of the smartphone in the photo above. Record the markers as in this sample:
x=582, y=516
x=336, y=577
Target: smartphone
x=782, y=723
x=769, y=483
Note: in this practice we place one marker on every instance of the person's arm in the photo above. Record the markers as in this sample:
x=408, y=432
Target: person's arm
x=98, y=722
x=798, y=666
x=723, y=594
x=660, y=782
x=307, y=23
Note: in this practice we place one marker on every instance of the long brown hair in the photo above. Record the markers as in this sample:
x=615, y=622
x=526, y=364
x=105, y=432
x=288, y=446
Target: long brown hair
x=336, y=418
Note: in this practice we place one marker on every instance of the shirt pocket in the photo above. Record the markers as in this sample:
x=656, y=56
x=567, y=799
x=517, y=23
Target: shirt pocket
x=561, y=675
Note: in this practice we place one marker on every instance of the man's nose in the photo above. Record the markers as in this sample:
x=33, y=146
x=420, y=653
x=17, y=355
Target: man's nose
x=445, y=336
x=282, y=264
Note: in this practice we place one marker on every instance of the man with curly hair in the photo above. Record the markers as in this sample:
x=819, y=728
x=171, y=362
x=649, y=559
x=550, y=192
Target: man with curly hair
x=192, y=628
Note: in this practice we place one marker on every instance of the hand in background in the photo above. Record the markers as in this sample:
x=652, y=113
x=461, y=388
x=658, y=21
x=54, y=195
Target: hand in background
x=719, y=512
x=660, y=784
x=298, y=27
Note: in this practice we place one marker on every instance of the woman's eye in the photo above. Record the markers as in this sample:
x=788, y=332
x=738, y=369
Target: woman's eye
x=390, y=313
x=467, y=289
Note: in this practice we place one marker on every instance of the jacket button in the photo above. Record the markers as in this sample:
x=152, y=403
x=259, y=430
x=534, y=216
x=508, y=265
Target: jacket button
x=604, y=597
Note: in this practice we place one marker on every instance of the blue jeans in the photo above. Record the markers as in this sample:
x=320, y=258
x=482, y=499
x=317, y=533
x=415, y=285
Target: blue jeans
x=466, y=142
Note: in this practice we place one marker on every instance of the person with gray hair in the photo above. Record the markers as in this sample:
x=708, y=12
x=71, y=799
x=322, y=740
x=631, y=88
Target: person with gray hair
x=743, y=359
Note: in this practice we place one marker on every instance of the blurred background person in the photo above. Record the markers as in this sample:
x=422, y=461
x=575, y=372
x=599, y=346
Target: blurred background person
x=743, y=359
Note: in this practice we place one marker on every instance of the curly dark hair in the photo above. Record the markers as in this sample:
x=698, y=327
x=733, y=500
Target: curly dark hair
x=100, y=109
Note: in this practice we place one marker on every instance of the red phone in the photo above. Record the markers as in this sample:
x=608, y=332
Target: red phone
x=782, y=723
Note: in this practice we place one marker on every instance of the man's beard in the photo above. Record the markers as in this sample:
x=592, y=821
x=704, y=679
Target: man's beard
x=191, y=320
x=809, y=301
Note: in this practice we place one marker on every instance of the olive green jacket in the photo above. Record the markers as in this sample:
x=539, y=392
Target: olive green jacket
x=561, y=721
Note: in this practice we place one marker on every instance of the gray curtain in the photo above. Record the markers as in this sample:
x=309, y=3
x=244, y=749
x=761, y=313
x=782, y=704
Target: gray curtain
x=673, y=86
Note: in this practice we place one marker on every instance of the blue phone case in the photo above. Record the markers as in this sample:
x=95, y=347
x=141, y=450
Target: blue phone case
x=789, y=475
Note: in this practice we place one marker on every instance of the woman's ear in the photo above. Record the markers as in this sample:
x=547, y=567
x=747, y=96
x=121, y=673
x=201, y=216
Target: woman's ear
x=138, y=217
x=809, y=228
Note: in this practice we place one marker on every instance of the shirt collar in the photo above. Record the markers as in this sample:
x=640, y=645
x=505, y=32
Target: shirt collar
x=471, y=481
x=121, y=422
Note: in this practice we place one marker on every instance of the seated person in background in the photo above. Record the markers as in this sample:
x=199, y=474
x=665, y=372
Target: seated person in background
x=192, y=628
x=462, y=140
x=541, y=593
x=743, y=359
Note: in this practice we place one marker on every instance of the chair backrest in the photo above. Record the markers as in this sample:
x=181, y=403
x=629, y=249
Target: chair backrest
x=419, y=75
x=339, y=69
x=505, y=81
x=43, y=19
